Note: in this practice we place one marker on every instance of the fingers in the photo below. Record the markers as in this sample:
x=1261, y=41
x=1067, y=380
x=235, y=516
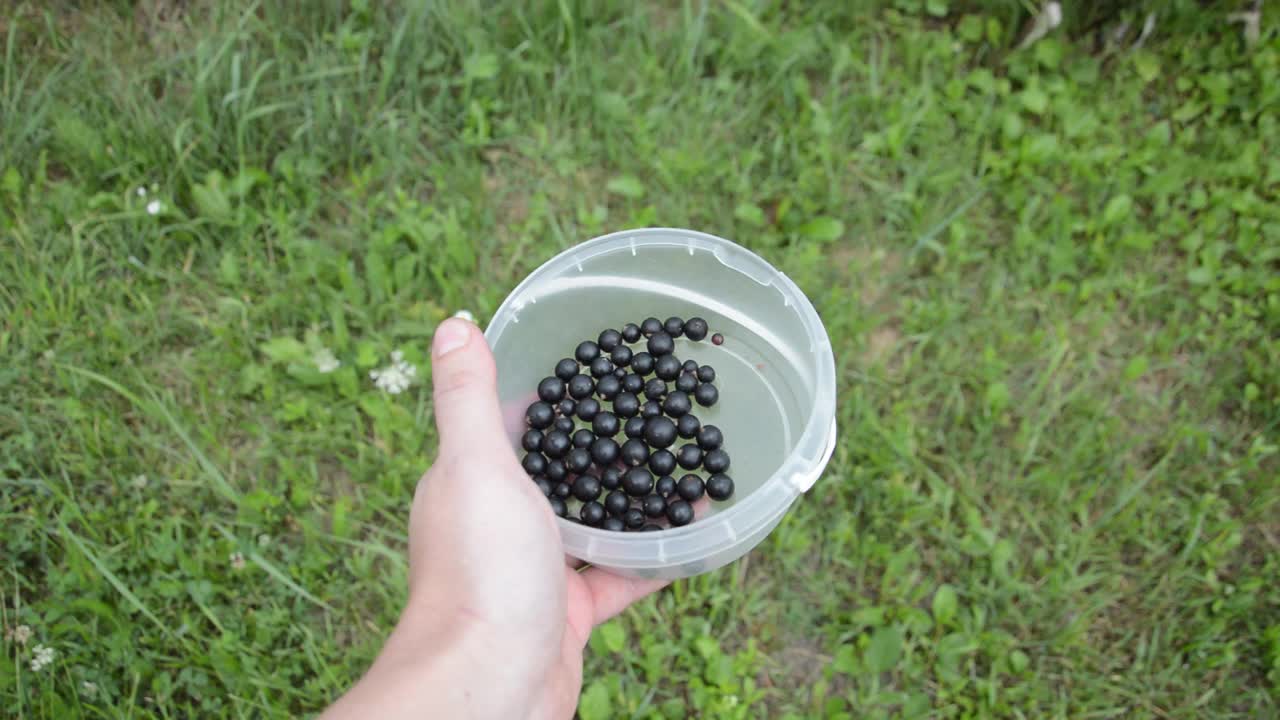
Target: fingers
x=611, y=594
x=464, y=383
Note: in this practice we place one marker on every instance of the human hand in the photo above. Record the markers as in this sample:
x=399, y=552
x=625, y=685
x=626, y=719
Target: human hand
x=497, y=616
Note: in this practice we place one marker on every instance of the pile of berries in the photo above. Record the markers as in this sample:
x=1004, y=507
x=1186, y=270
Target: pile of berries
x=573, y=456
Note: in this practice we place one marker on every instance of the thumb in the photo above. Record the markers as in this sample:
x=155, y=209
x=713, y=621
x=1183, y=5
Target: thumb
x=464, y=385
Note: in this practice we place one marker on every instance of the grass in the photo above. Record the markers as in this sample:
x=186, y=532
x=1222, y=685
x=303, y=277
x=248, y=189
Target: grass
x=1050, y=277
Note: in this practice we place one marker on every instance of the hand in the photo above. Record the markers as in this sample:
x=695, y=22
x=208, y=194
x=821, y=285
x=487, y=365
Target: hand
x=497, y=616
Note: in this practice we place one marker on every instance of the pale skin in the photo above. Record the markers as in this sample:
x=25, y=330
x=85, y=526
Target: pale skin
x=497, y=616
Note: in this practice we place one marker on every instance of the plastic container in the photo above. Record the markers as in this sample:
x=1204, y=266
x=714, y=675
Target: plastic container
x=775, y=372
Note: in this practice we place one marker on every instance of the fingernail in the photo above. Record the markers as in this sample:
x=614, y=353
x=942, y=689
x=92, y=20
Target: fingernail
x=451, y=335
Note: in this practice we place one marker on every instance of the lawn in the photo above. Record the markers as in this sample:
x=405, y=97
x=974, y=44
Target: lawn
x=1051, y=278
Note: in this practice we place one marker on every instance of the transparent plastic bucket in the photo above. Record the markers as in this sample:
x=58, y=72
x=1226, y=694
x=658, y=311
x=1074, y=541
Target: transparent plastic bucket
x=775, y=373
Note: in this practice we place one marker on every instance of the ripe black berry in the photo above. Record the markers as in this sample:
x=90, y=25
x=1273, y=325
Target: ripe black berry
x=582, y=438
x=566, y=406
x=534, y=464
x=634, y=427
x=695, y=328
x=679, y=513
x=558, y=507
x=655, y=388
x=642, y=363
x=613, y=524
x=690, y=487
x=631, y=332
x=588, y=408
x=676, y=404
x=687, y=382
x=651, y=409
x=710, y=438
x=540, y=415
x=633, y=519
x=609, y=387
x=660, y=344
x=604, y=451
x=650, y=326
x=611, y=478
x=619, y=372
x=632, y=383
x=609, y=339
x=551, y=389
x=674, y=326
x=689, y=366
x=654, y=505
x=556, y=471
x=592, y=513
x=621, y=356
x=555, y=444
x=605, y=424
x=717, y=339
x=581, y=386
x=531, y=440
x=662, y=462
x=563, y=424
x=634, y=452
x=665, y=486
x=626, y=405
x=562, y=490
x=601, y=366
x=659, y=432
x=706, y=373
x=706, y=394
x=586, y=487
x=578, y=460
x=667, y=367
x=566, y=369
x=688, y=426
x=637, y=482
x=586, y=352
x=617, y=502
x=720, y=487
x=689, y=456
x=544, y=485
x=716, y=461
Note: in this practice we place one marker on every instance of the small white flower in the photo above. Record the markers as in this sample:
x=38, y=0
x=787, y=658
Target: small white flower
x=264, y=540
x=325, y=361
x=237, y=561
x=19, y=635
x=154, y=207
x=139, y=482
x=465, y=315
x=396, y=377
x=142, y=192
x=41, y=656
x=89, y=688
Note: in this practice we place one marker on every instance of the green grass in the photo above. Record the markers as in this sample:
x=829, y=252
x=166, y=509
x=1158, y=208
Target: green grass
x=1051, y=278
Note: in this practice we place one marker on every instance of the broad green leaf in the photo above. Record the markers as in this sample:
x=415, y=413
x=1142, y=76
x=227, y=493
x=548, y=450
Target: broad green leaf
x=749, y=214
x=1035, y=100
x=884, y=650
x=480, y=66
x=1200, y=276
x=997, y=396
x=944, y=604
x=824, y=229
x=626, y=186
x=1136, y=368
x=936, y=8
x=1147, y=65
x=594, y=702
x=284, y=349
x=614, y=637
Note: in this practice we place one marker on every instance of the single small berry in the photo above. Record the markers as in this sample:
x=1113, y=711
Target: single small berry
x=617, y=502
x=544, y=485
x=637, y=482
x=605, y=424
x=621, y=356
x=634, y=427
x=642, y=363
x=632, y=383
x=651, y=409
x=608, y=387
x=582, y=438
x=689, y=456
x=566, y=369
x=566, y=406
x=592, y=513
x=695, y=328
x=667, y=367
x=531, y=440
x=690, y=487
x=679, y=513
x=588, y=408
x=674, y=327
x=676, y=404
x=626, y=405
x=688, y=426
x=710, y=438
x=687, y=382
x=562, y=489
x=613, y=524
x=654, y=505
x=631, y=332
x=706, y=394
x=558, y=507
x=578, y=460
x=540, y=415
x=586, y=487
x=601, y=367
x=665, y=486
x=689, y=366
x=719, y=487
x=706, y=373
x=556, y=471
x=534, y=464
x=650, y=327
x=655, y=389
x=662, y=462
x=586, y=352
x=581, y=386
x=633, y=518
x=634, y=453
x=619, y=372
x=604, y=451
x=611, y=478
x=659, y=432
x=555, y=444
x=717, y=339
x=716, y=461
x=660, y=344
x=609, y=339
x=563, y=424
x=551, y=389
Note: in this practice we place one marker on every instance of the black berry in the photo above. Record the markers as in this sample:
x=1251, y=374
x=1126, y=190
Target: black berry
x=555, y=444
x=709, y=437
x=582, y=438
x=563, y=424
x=660, y=344
x=588, y=408
x=586, y=487
x=717, y=339
x=566, y=369
x=659, y=432
x=617, y=502
x=531, y=440
x=662, y=462
x=540, y=415
x=586, y=352
x=581, y=386
x=556, y=471
x=604, y=451
x=706, y=394
x=601, y=366
x=632, y=383
x=578, y=460
x=609, y=339
x=551, y=389
x=642, y=363
x=689, y=366
x=611, y=478
x=688, y=426
x=676, y=404
x=695, y=328
x=634, y=427
x=690, y=487
x=609, y=387
x=687, y=382
x=689, y=456
x=720, y=487
x=634, y=453
x=654, y=505
x=631, y=332
x=566, y=406
x=674, y=326
x=619, y=373
x=655, y=388
x=650, y=326
x=679, y=513
x=621, y=356
x=605, y=424
x=637, y=482
x=592, y=513
x=716, y=461
x=558, y=507
x=633, y=519
x=651, y=409
x=613, y=524
x=534, y=464
x=626, y=405
x=706, y=373
x=667, y=367
x=665, y=486
x=544, y=485
x=562, y=490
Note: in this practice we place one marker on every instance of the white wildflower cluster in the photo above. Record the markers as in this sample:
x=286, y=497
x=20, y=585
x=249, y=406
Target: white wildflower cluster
x=19, y=635
x=396, y=377
x=41, y=656
x=326, y=362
